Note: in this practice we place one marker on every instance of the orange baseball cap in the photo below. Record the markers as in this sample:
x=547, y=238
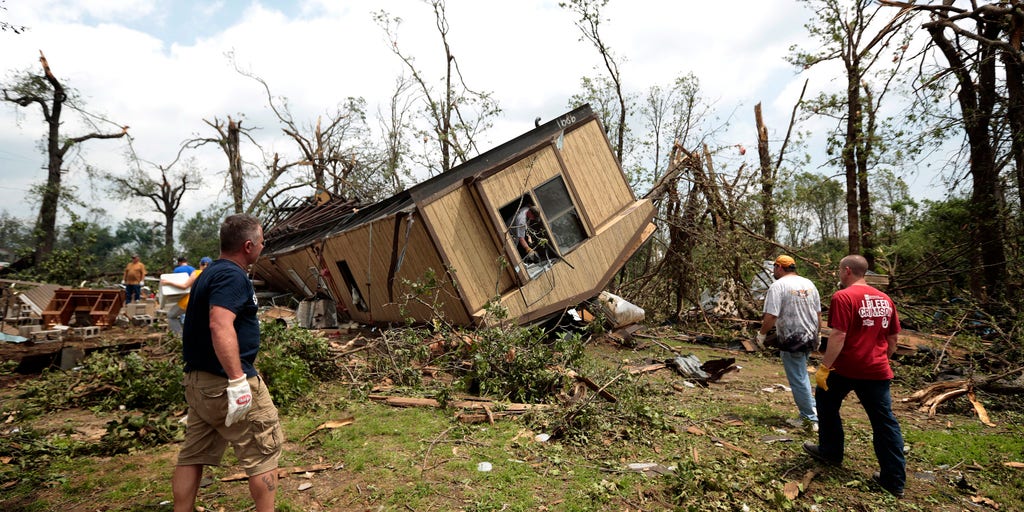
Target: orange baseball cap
x=785, y=261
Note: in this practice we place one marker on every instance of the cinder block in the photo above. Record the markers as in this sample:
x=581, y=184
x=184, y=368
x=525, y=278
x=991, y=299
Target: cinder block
x=91, y=331
x=26, y=331
x=139, y=320
x=46, y=336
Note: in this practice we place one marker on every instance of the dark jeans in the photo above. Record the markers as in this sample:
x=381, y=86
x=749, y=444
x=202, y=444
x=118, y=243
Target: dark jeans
x=886, y=436
x=132, y=290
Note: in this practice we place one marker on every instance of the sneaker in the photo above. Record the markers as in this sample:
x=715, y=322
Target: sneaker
x=812, y=450
x=803, y=423
x=877, y=478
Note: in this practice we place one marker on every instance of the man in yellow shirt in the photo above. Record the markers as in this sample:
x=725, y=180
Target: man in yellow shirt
x=177, y=312
x=134, y=274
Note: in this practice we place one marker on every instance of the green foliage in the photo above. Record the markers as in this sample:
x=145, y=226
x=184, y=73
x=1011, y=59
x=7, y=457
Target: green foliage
x=106, y=381
x=398, y=356
x=200, y=234
x=520, y=364
x=70, y=262
x=810, y=207
x=138, y=431
x=15, y=234
x=280, y=362
x=304, y=344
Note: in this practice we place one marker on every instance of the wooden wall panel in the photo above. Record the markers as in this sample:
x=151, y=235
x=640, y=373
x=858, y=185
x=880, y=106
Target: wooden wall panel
x=368, y=252
x=464, y=235
x=593, y=172
x=525, y=175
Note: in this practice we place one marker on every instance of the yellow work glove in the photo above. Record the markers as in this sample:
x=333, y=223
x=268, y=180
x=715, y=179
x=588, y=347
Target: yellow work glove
x=821, y=377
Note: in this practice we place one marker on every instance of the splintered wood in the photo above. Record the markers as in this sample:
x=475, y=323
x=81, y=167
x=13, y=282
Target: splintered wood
x=934, y=395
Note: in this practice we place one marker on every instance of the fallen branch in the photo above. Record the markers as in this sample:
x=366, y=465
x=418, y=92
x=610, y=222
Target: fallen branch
x=398, y=401
x=281, y=472
x=331, y=424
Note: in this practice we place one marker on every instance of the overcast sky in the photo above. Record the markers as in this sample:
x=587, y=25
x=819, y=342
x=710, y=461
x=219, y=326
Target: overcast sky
x=160, y=67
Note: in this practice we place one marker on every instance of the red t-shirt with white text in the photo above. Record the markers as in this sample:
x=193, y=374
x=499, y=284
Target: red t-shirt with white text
x=867, y=316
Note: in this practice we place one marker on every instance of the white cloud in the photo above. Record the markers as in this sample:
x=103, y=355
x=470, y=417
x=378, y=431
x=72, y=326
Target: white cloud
x=160, y=67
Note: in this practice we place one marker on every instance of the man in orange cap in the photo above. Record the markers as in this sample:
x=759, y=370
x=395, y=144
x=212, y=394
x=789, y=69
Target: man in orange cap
x=792, y=306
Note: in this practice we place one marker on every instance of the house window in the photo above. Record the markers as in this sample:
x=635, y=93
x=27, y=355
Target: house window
x=560, y=213
x=350, y=284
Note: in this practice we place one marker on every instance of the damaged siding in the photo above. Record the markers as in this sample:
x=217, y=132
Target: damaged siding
x=459, y=220
x=464, y=236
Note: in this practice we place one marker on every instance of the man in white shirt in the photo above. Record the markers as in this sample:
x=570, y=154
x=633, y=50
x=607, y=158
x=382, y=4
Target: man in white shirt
x=793, y=307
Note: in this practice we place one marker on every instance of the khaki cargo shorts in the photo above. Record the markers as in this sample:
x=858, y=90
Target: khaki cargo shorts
x=257, y=438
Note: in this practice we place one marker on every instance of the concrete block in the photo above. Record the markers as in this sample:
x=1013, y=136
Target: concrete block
x=139, y=320
x=25, y=331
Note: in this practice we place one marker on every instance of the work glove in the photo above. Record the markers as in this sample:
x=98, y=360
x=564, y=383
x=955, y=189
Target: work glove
x=759, y=341
x=531, y=257
x=821, y=377
x=239, y=400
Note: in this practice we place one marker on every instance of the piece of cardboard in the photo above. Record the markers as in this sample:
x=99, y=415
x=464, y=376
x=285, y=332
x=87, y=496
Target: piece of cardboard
x=169, y=294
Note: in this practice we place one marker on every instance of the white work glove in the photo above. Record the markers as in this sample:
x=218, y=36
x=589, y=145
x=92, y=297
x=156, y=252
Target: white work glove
x=239, y=400
x=760, y=340
x=531, y=257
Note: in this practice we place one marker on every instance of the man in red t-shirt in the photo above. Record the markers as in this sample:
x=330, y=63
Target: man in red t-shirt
x=864, y=327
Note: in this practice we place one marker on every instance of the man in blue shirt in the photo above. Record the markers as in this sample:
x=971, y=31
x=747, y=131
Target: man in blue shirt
x=183, y=267
x=228, y=400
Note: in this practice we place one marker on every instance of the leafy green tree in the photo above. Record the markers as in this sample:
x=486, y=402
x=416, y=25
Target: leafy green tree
x=932, y=256
x=15, y=236
x=894, y=206
x=71, y=262
x=200, y=235
x=855, y=33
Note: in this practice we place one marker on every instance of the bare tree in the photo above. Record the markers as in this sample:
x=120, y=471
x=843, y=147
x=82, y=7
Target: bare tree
x=229, y=139
x=165, y=191
x=770, y=171
x=50, y=95
x=396, y=126
x=589, y=23
x=456, y=115
x=336, y=150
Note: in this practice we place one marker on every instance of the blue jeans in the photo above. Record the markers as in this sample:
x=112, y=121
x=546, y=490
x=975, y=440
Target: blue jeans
x=132, y=290
x=795, y=364
x=175, y=318
x=886, y=436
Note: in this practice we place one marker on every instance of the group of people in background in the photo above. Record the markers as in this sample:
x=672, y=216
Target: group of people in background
x=864, y=327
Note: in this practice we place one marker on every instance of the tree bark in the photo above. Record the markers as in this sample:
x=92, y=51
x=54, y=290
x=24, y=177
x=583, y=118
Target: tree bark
x=767, y=181
x=977, y=97
x=52, y=106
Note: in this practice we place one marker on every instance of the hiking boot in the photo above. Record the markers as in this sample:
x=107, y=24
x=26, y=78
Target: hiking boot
x=877, y=478
x=812, y=450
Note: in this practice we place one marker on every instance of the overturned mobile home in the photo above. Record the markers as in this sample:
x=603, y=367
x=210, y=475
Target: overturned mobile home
x=443, y=247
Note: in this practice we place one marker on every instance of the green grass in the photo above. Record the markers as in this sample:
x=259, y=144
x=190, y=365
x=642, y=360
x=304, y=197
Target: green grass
x=424, y=459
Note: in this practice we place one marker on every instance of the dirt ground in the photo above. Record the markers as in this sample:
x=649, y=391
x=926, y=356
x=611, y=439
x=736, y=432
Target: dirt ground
x=759, y=382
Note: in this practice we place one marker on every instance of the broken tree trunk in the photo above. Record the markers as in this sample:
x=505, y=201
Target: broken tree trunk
x=934, y=395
